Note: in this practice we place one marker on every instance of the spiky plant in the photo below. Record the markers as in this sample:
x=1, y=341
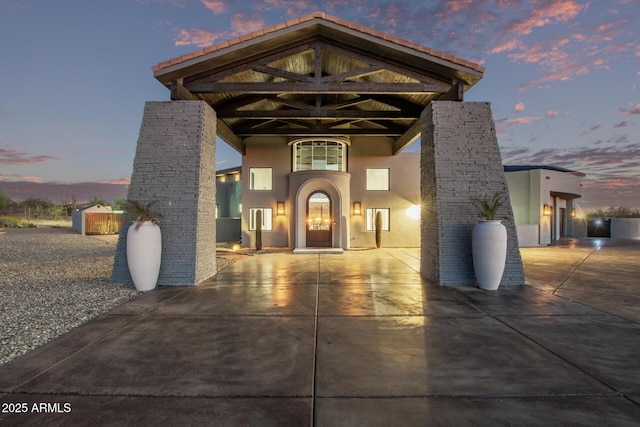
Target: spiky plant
x=488, y=207
x=143, y=212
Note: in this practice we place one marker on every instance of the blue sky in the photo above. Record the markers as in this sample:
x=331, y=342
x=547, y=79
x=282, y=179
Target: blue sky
x=562, y=77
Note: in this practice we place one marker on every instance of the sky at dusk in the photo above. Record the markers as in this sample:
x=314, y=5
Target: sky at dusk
x=562, y=77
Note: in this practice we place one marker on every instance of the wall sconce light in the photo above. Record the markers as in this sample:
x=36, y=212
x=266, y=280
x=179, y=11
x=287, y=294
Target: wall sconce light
x=573, y=213
x=357, y=208
x=280, y=208
x=546, y=210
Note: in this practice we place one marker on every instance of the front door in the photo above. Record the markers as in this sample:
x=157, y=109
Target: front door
x=319, y=222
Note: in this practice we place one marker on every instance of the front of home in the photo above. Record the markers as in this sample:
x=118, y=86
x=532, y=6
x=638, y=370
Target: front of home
x=325, y=192
x=543, y=197
x=322, y=111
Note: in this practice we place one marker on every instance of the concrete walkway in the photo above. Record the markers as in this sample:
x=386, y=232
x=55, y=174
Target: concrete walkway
x=357, y=339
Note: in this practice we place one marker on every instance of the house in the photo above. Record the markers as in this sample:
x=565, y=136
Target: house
x=389, y=185
x=321, y=110
x=543, y=200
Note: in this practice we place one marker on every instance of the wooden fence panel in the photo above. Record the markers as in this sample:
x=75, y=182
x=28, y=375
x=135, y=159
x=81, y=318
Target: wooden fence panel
x=102, y=223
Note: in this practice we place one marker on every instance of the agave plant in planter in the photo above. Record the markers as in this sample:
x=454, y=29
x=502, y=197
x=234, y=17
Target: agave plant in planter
x=489, y=243
x=144, y=245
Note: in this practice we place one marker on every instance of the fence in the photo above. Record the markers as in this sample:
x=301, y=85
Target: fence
x=102, y=223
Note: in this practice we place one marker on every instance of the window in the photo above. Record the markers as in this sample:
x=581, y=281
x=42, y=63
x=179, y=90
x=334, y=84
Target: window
x=266, y=219
x=371, y=218
x=378, y=179
x=319, y=155
x=260, y=179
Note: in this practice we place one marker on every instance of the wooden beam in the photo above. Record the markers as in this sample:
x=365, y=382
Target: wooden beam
x=360, y=72
x=314, y=88
x=290, y=102
x=317, y=132
x=407, y=138
x=238, y=102
x=179, y=93
x=229, y=136
x=394, y=101
x=349, y=103
x=387, y=63
x=320, y=114
x=281, y=73
x=456, y=93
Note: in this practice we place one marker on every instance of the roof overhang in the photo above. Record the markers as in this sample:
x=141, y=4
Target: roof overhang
x=318, y=76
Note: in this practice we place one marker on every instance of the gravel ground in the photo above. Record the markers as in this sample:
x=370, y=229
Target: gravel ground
x=51, y=281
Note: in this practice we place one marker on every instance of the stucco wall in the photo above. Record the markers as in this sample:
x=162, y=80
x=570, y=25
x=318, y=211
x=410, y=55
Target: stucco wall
x=625, y=228
x=349, y=230
x=404, y=182
x=273, y=153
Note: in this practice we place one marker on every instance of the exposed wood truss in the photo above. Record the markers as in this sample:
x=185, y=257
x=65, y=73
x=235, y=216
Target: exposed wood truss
x=316, y=87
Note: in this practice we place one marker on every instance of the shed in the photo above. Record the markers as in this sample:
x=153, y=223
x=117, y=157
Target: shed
x=96, y=220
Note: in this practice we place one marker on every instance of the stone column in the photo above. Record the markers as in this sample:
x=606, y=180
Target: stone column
x=175, y=165
x=460, y=159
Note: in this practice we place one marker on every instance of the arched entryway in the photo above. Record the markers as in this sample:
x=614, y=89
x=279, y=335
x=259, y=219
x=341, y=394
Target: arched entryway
x=319, y=220
x=335, y=186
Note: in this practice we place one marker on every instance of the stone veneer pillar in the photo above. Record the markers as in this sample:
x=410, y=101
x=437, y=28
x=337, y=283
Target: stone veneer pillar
x=460, y=159
x=175, y=165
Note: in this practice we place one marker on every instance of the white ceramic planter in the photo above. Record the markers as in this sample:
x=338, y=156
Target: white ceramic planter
x=489, y=250
x=144, y=249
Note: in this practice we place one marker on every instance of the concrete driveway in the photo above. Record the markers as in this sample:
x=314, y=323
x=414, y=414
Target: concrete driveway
x=351, y=340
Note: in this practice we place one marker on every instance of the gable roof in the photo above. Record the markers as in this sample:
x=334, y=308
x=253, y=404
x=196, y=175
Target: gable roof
x=312, y=17
x=318, y=75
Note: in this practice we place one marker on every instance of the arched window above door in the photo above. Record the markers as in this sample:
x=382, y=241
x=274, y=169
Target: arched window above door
x=319, y=154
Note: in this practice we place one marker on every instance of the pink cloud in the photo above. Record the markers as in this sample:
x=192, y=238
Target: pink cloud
x=242, y=25
x=12, y=157
x=121, y=181
x=622, y=124
x=633, y=111
x=520, y=106
x=545, y=12
x=218, y=7
x=19, y=178
x=566, y=56
x=197, y=36
x=562, y=74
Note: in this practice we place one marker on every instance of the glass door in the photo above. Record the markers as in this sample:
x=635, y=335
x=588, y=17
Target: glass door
x=319, y=221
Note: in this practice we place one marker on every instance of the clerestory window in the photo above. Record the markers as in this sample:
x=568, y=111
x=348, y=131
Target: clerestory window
x=319, y=154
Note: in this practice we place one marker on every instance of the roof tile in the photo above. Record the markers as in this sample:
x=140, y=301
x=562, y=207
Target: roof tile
x=310, y=17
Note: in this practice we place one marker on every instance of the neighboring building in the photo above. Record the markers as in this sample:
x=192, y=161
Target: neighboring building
x=543, y=200
x=228, y=204
x=96, y=220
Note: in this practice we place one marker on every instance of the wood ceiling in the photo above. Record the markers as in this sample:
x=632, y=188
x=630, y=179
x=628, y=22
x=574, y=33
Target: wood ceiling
x=317, y=80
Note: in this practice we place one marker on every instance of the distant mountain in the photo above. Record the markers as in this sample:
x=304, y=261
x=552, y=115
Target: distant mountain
x=83, y=191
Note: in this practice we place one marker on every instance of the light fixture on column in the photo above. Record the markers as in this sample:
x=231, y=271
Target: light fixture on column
x=546, y=210
x=357, y=208
x=280, y=208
